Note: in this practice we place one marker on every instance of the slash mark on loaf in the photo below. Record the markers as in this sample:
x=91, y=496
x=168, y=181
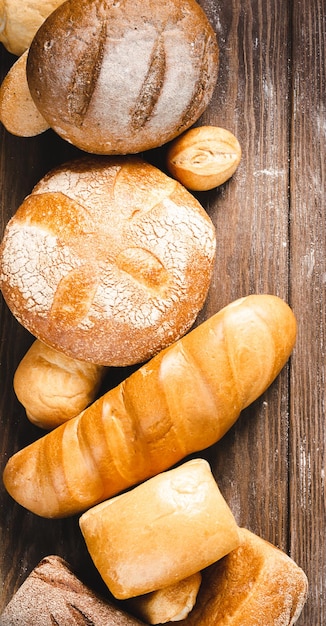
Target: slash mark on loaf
x=151, y=87
x=86, y=76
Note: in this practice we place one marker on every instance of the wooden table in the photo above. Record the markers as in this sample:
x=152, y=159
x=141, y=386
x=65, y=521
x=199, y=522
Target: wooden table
x=271, y=234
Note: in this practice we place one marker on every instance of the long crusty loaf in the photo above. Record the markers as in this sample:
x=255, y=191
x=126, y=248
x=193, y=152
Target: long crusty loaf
x=181, y=401
x=257, y=584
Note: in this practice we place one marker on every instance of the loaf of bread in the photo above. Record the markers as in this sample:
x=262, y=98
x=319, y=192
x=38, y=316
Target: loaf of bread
x=139, y=72
x=170, y=604
x=160, y=532
x=52, y=387
x=181, y=401
x=20, y=21
x=108, y=260
x=254, y=585
x=18, y=113
x=52, y=594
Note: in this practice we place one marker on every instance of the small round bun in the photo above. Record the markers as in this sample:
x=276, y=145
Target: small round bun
x=123, y=77
x=52, y=387
x=108, y=260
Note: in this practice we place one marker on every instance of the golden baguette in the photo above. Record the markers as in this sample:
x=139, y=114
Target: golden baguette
x=180, y=402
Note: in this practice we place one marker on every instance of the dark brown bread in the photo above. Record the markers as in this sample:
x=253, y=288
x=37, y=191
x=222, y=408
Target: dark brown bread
x=123, y=77
x=53, y=595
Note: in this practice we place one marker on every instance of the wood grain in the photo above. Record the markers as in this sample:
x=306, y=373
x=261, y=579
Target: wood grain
x=271, y=231
x=308, y=285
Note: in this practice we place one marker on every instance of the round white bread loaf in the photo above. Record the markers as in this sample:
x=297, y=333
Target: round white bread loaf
x=122, y=77
x=108, y=260
x=162, y=531
x=53, y=387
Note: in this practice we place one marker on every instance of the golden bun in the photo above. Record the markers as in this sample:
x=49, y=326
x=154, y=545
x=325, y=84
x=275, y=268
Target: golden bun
x=170, y=604
x=53, y=387
x=18, y=112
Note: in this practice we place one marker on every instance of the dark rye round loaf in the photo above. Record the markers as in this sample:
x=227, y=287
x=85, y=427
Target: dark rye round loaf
x=108, y=260
x=120, y=77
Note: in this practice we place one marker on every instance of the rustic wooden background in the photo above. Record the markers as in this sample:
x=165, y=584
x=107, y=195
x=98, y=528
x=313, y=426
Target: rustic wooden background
x=271, y=232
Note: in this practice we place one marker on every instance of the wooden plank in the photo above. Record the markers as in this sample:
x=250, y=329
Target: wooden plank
x=270, y=225
x=308, y=284
x=251, y=215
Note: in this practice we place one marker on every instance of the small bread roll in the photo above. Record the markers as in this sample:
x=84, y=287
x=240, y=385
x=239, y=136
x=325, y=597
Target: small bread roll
x=108, y=260
x=170, y=604
x=203, y=157
x=255, y=584
x=123, y=77
x=20, y=21
x=18, y=112
x=160, y=532
x=52, y=387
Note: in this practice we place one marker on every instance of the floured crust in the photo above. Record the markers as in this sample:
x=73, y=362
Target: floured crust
x=255, y=585
x=130, y=76
x=108, y=260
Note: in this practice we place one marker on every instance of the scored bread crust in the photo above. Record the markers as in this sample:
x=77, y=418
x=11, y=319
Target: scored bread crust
x=181, y=401
x=108, y=260
x=123, y=77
